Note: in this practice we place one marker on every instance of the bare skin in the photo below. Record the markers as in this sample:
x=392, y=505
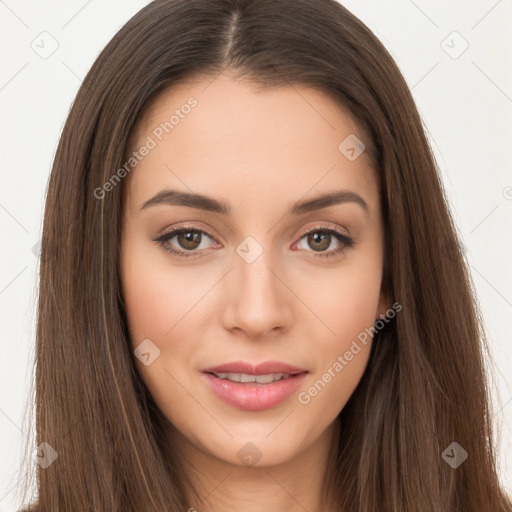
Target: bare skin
x=260, y=151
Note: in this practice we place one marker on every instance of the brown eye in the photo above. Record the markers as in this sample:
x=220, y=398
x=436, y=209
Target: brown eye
x=185, y=242
x=319, y=241
x=189, y=240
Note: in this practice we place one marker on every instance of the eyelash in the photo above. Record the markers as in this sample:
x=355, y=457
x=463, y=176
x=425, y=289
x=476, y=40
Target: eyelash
x=347, y=242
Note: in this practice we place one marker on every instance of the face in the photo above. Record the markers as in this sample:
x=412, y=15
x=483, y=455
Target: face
x=258, y=272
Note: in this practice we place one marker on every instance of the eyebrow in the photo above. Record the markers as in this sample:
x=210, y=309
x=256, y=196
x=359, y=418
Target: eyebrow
x=202, y=202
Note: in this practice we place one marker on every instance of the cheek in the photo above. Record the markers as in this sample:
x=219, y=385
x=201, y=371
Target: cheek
x=151, y=305
x=342, y=354
x=156, y=296
x=157, y=300
x=165, y=304
x=345, y=298
x=356, y=303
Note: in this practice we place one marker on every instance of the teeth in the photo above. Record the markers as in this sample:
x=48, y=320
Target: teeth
x=260, y=379
x=266, y=379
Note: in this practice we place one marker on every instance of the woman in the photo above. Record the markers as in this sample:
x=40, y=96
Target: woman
x=252, y=294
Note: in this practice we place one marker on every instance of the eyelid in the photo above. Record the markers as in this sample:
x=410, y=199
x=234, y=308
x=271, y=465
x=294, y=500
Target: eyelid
x=303, y=232
x=184, y=226
x=320, y=226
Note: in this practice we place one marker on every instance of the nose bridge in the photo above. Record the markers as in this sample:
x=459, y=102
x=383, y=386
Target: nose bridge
x=257, y=300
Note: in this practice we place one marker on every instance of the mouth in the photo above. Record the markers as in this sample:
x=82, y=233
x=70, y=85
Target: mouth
x=246, y=378
x=246, y=368
x=255, y=388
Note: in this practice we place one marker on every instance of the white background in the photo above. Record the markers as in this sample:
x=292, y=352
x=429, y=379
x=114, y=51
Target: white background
x=465, y=102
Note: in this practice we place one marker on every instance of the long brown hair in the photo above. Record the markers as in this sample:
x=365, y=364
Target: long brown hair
x=424, y=387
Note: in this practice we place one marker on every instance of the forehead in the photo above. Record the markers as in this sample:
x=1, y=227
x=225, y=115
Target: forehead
x=231, y=135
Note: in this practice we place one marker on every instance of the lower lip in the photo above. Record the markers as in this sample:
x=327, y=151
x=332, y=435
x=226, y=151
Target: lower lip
x=253, y=396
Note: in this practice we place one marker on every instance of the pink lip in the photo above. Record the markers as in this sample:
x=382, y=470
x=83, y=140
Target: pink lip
x=254, y=396
x=254, y=369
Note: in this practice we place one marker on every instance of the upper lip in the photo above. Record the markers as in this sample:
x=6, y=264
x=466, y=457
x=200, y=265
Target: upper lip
x=264, y=368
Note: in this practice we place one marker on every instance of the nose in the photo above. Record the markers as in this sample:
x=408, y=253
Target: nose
x=257, y=299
